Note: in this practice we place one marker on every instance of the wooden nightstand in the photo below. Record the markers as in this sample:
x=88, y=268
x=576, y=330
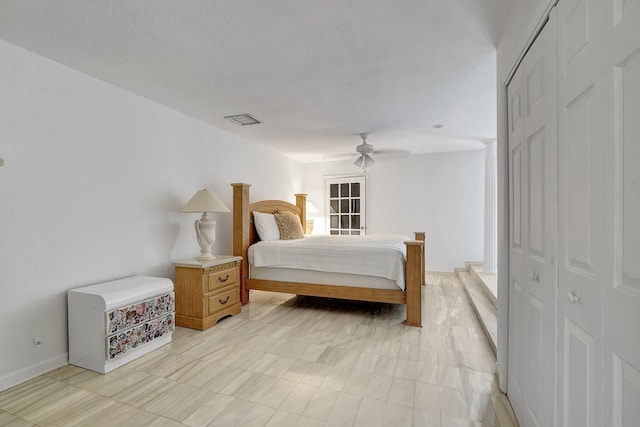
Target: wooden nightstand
x=207, y=291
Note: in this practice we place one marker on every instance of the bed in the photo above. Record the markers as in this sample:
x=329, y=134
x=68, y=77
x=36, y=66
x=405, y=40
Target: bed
x=342, y=284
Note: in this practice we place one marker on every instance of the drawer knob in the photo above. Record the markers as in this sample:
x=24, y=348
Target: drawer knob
x=221, y=280
x=225, y=301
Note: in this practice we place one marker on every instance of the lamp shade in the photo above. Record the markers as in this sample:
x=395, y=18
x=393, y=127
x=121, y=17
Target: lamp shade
x=205, y=201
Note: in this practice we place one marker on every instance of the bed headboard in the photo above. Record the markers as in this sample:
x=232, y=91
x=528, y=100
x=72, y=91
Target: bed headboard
x=244, y=231
x=269, y=206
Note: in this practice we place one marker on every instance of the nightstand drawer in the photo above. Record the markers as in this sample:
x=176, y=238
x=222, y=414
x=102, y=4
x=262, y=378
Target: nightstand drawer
x=223, y=300
x=220, y=279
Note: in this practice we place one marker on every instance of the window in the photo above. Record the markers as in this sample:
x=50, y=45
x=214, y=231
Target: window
x=345, y=204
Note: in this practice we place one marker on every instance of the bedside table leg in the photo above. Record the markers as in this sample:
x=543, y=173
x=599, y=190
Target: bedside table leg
x=244, y=291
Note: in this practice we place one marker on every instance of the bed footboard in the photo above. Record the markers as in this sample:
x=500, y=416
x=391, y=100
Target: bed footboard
x=414, y=275
x=421, y=236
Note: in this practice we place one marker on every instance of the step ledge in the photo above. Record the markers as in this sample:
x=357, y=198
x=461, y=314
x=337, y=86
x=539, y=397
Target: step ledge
x=482, y=306
x=488, y=282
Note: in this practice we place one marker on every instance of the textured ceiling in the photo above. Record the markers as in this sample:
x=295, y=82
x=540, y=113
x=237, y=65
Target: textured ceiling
x=317, y=73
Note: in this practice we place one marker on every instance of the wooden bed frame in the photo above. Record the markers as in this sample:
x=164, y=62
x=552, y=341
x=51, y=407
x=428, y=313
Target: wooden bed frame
x=244, y=235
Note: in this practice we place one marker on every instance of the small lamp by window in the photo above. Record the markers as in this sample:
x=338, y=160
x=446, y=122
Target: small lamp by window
x=312, y=211
x=207, y=202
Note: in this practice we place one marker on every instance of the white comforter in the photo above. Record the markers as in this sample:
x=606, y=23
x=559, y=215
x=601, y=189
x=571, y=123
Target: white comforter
x=372, y=255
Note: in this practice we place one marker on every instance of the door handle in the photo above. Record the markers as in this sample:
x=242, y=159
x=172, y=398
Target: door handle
x=535, y=277
x=573, y=297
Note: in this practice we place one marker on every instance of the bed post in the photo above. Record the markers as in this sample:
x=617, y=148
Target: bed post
x=301, y=202
x=413, y=290
x=420, y=236
x=241, y=234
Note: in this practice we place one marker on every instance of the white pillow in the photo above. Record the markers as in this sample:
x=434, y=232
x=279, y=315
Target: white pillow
x=266, y=226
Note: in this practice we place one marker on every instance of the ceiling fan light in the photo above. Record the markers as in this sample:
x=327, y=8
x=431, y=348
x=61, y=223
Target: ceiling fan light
x=364, y=149
x=364, y=161
x=368, y=160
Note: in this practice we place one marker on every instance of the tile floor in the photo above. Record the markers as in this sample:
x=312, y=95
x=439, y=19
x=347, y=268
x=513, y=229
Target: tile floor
x=284, y=362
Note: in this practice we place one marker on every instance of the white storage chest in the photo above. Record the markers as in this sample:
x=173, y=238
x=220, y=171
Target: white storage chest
x=115, y=322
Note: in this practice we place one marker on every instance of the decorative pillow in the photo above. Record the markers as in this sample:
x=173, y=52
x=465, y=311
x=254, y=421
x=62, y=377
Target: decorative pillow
x=289, y=225
x=266, y=226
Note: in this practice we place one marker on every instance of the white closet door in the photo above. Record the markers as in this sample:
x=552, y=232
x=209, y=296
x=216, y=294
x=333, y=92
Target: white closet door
x=599, y=73
x=585, y=245
x=533, y=141
x=621, y=320
x=517, y=276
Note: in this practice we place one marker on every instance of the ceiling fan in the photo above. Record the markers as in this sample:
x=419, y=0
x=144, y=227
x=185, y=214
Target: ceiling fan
x=365, y=151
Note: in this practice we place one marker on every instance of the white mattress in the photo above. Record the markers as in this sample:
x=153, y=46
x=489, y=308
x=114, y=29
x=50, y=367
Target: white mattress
x=379, y=256
x=321, y=278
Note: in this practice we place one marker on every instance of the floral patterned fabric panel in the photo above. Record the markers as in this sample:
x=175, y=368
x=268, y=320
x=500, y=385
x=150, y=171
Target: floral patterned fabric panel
x=120, y=343
x=134, y=314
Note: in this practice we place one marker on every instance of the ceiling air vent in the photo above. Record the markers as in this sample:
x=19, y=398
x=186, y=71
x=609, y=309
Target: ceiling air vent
x=243, y=119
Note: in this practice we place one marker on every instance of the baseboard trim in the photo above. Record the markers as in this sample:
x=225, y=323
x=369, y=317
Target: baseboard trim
x=441, y=273
x=467, y=266
x=33, y=371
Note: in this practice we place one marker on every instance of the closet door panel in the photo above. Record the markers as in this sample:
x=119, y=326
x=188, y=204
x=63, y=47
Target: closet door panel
x=539, y=74
x=621, y=339
x=516, y=347
x=533, y=215
x=536, y=357
x=516, y=238
x=516, y=198
x=626, y=394
x=583, y=244
x=628, y=168
x=624, y=9
x=536, y=203
x=577, y=185
x=579, y=375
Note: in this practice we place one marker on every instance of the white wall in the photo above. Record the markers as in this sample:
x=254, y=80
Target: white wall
x=93, y=181
x=441, y=194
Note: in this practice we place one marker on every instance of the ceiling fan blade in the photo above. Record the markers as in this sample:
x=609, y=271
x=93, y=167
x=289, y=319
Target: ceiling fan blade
x=366, y=149
x=391, y=153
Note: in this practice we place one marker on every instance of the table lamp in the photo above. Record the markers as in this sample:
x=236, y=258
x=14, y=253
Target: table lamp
x=205, y=201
